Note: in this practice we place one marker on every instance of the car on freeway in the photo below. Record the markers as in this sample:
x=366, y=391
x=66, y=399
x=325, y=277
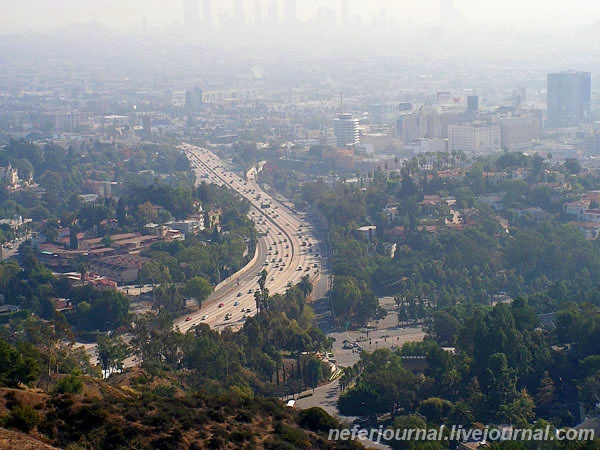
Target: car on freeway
x=205, y=316
x=236, y=303
x=187, y=319
x=221, y=305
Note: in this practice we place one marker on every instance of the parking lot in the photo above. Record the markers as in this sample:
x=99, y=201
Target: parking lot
x=379, y=334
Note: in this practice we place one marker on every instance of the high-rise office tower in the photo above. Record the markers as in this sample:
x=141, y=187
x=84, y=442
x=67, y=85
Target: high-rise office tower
x=193, y=101
x=472, y=104
x=569, y=98
x=147, y=123
x=290, y=12
x=448, y=12
x=344, y=14
x=258, y=13
x=238, y=13
x=190, y=14
x=273, y=13
x=345, y=128
x=207, y=16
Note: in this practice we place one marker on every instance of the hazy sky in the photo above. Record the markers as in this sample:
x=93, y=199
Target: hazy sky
x=20, y=15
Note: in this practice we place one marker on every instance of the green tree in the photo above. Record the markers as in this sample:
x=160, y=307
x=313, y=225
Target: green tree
x=22, y=417
x=461, y=414
x=198, y=288
x=499, y=382
x=520, y=411
x=317, y=420
x=72, y=384
x=17, y=365
x=305, y=286
x=435, y=409
x=111, y=351
x=444, y=328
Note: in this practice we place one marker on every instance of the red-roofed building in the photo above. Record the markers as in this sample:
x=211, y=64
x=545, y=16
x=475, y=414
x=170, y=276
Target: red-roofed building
x=62, y=304
x=103, y=284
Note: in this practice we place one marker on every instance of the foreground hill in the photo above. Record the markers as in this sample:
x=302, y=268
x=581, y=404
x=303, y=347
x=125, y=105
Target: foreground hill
x=10, y=440
x=143, y=410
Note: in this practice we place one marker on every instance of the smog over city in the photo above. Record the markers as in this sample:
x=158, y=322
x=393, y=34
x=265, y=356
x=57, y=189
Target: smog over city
x=294, y=224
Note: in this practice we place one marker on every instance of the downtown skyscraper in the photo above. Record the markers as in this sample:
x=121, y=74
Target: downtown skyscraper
x=569, y=98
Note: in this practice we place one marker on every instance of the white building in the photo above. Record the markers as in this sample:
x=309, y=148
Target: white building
x=475, y=138
x=178, y=99
x=391, y=213
x=427, y=146
x=345, y=127
x=421, y=124
x=70, y=120
x=9, y=175
x=189, y=226
x=519, y=132
x=327, y=138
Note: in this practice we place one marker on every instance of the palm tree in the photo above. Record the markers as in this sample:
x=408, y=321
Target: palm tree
x=305, y=286
x=520, y=411
x=257, y=299
x=461, y=414
x=262, y=280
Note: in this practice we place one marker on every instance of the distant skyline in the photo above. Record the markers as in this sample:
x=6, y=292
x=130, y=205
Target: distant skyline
x=41, y=15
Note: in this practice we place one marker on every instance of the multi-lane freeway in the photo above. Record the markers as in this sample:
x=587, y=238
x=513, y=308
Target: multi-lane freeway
x=286, y=247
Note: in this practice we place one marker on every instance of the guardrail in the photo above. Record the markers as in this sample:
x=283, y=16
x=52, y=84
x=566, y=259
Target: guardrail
x=240, y=272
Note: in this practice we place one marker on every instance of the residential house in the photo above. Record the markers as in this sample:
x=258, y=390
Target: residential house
x=367, y=232
x=577, y=208
x=391, y=213
x=592, y=215
x=495, y=178
x=496, y=202
x=120, y=268
x=8, y=309
x=590, y=230
x=188, y=226
x=103, y=284
x=62, y=304
x=430, y=204
x=537, y=214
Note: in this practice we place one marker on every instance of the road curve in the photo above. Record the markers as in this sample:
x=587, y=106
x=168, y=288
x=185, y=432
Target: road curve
x=286, y=247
